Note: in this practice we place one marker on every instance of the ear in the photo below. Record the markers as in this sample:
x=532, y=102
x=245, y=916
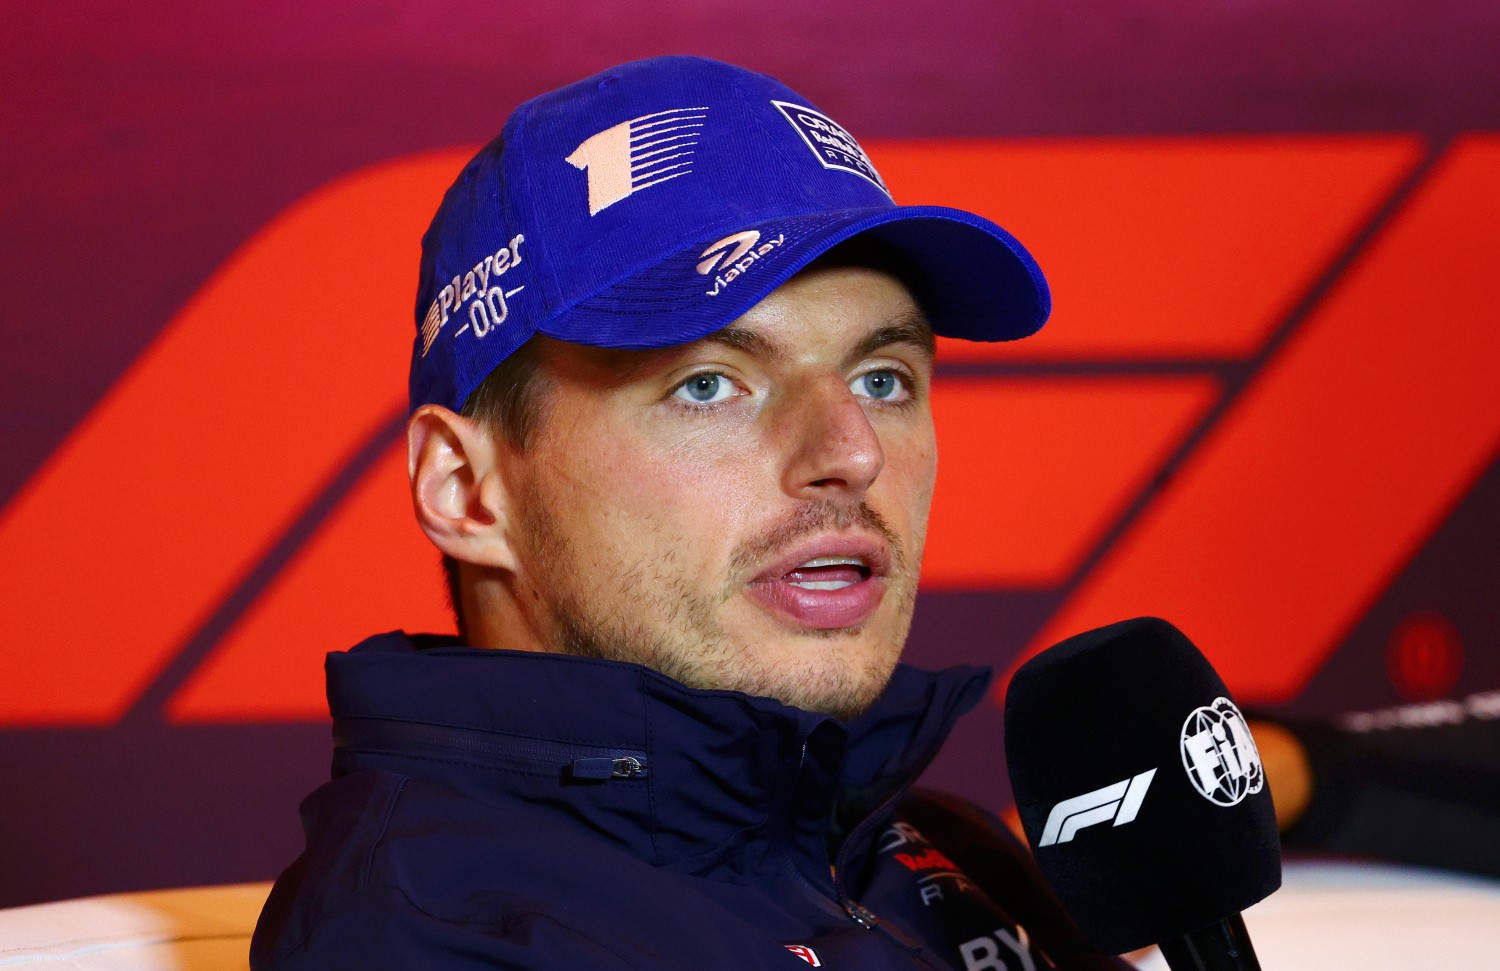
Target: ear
x=457, y=492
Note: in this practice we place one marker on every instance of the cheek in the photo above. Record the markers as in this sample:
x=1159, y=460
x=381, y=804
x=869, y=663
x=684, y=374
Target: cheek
x=715, y=482
x=659, y=499
x=910, y=472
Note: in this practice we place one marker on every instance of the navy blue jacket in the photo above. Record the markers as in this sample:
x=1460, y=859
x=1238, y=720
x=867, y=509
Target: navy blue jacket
x=500, y=809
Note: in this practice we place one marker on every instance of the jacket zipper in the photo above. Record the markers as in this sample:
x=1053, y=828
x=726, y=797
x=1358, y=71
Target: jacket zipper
x=857, y=911
x=493, y=750
x=861, y=915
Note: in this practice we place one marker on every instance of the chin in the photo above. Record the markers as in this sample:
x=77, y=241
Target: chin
x=843, y=682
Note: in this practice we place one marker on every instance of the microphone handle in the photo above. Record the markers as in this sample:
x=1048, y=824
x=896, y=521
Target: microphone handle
x=1223, y=945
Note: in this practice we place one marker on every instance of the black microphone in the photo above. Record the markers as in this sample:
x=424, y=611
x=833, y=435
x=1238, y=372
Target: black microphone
x=1142, y=794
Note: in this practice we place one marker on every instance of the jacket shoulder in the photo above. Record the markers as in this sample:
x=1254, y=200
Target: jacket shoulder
x=344, y=823
x=354, y=898
x=380, y=927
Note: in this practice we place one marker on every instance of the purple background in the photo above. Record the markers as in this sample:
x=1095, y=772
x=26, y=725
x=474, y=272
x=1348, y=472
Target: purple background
x=144, y=142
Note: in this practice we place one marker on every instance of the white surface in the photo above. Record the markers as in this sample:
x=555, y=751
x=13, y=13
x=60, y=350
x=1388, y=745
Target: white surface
x=1365, y=915
x=195, y=929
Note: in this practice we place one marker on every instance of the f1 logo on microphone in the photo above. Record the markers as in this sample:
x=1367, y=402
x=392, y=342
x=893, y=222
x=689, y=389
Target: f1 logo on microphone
x=1119, y=802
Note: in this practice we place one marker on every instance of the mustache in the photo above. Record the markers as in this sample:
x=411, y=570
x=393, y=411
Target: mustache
x=817, y=517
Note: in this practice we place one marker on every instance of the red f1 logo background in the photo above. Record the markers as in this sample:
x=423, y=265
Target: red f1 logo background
x=1264, y=408
x=1269, y=379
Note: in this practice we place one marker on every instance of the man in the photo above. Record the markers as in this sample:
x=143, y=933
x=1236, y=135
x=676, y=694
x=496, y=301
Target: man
x=671, y=432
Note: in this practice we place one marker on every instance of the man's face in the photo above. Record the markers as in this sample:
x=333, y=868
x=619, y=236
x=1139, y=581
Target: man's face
x=743, y=512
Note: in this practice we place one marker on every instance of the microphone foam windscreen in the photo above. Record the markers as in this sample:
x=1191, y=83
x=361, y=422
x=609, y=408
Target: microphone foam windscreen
x=1139, y=786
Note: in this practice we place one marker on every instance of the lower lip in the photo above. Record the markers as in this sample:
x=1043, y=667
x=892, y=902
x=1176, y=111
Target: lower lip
x=820, y=609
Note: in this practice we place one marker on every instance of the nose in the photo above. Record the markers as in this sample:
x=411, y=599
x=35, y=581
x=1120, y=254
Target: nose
x=834, y=451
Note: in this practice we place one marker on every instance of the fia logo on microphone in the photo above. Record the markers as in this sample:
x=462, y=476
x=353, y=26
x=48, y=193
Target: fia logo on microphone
x=1219, y=755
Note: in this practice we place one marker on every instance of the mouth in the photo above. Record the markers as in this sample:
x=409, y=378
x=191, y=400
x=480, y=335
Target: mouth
x=829, y=573
x=829, y=583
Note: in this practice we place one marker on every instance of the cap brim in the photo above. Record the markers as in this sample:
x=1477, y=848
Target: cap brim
x=976, y=281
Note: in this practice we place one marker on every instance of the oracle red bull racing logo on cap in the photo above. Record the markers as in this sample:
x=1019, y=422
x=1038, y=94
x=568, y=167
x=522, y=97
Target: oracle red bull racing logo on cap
x=831, y=143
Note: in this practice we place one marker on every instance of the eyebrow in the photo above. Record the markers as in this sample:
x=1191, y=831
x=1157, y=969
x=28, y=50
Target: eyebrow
x=743, y=340
x=910, y=328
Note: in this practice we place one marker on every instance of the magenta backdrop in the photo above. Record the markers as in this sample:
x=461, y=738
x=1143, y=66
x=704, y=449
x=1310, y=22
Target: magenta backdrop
x=144, y=142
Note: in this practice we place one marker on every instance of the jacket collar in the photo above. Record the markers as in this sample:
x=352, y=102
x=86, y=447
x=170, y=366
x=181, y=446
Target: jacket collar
x=728, y=774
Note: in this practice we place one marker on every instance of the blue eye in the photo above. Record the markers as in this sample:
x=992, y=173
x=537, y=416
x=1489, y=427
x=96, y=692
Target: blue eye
x=704, y=389
x=881, y=385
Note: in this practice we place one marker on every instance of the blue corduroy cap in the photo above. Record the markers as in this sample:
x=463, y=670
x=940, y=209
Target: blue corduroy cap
x=658, y=201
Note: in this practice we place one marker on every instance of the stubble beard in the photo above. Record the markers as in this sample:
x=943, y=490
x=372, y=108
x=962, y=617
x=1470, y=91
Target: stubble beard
x=842, y=677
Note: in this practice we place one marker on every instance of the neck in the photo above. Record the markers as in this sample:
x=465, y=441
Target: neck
x=501, y=611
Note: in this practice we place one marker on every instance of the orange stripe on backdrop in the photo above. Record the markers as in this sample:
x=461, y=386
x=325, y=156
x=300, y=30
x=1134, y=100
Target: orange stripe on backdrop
x=176, y=484
x=1031, y=471
x=1161, y=248
x=190, y=469
x=367, y=569
x=1339, y=460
